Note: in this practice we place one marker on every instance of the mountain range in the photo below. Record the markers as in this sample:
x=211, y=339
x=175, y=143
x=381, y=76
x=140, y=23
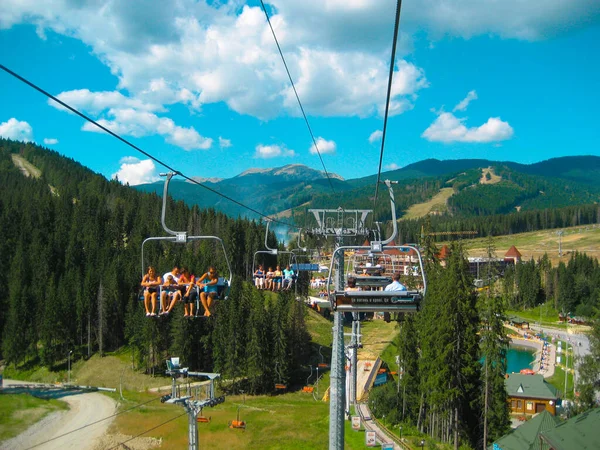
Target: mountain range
x=479, y=187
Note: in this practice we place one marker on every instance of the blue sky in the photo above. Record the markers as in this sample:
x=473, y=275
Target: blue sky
x=200, y=85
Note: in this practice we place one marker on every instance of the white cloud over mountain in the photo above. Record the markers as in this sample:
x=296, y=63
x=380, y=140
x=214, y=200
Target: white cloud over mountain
x=324, y=147
x=273, y=151
x=137, y=123
x=50, y=141
x=449, y=128
x=135, y=171
x=17, y=130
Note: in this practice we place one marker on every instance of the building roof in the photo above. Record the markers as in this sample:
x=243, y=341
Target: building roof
x=524, y=437
x=529, y=386
x=444, y=252
x=513, y=253
x=579, y=432
x=515, y=319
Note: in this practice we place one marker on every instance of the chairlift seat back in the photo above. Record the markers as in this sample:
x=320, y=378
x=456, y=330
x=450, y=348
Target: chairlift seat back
x=377, y=301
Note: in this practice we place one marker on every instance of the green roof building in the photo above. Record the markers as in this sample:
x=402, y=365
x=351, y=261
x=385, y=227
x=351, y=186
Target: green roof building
x=530, y=394
x=581, y=432
x=525, y=437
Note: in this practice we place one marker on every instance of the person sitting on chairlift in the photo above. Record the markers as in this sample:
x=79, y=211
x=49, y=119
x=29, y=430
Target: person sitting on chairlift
x=188, y=292
x=166, y=296
x=269, y=279
x=395, y=285
x=170, y=293
x=351, y=284
x=288, y=278
x=208, y=283
x=259, y=277
x=277, y=278
x=151, y=282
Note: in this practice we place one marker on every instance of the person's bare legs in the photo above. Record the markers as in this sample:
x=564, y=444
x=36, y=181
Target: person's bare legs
x=163, y=302
x=147, y=301
x=209, y=302
x=176, y=297
x=204, y=300
x=153, y=300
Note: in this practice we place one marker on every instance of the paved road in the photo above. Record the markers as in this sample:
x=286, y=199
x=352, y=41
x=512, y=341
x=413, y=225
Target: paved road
x=84, y=409
x=573, y=339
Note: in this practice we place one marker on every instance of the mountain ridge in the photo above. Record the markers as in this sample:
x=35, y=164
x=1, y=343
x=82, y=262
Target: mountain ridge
x=527, y=186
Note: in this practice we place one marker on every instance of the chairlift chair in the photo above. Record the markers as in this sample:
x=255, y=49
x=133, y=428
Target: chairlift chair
x=237, y=423
x=378, y=300
x=181, y=237
x=270, y=251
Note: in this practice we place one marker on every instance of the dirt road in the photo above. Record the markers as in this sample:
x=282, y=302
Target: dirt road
x=84, y=409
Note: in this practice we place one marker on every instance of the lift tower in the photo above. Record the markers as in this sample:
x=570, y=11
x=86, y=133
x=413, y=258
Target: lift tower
x=339, y=223
x=193, y=404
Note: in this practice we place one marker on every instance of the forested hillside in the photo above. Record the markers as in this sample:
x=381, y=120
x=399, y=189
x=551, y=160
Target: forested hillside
x=70, y=268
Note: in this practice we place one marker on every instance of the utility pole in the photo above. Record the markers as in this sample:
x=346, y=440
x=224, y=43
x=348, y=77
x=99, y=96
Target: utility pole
x=560, y=234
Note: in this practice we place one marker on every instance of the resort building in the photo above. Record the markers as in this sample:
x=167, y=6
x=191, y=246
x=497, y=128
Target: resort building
x=530, y=394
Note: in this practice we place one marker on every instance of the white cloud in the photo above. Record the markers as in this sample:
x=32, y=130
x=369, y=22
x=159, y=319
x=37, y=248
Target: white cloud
x=16, y=130
x=325, y=147
x=449, y=128
x=462, y=105
x=224, y=143
x=520, y=19
x=141, y=123
x=336, y=84
x=375, y=136
x=134, y=171
x=194, y=53
x=391, y=166
x=96, y=102
x=50, y=141
x=273, y=151
x=129, y=160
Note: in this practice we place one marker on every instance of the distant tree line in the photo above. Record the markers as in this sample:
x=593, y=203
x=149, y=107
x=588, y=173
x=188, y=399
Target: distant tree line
x=70, y=271
x=502, y=224
x=571, y=287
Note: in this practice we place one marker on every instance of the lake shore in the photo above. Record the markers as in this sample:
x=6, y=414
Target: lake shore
x=545, y=353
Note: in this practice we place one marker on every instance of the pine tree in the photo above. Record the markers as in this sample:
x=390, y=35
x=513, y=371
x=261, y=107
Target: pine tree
x=258, y=347
x=494, y=346
x=409, y=377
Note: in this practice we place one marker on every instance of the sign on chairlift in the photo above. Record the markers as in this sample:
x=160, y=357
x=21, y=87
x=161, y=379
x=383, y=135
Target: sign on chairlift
x=306, y=267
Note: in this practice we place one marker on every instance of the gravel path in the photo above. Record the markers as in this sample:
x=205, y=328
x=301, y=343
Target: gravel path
x=84, y=409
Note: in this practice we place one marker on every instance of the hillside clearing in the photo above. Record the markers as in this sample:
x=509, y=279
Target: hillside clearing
x=437, y=205
x=28, y=169
x=493, y=177
x=534, y=244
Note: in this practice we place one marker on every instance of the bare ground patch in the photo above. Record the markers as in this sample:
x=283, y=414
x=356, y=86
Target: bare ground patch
x=493, y=177
x=437, y=205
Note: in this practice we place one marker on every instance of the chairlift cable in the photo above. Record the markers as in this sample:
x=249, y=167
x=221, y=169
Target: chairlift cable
x=298, y=97
x=387, y=103
x=135, y=147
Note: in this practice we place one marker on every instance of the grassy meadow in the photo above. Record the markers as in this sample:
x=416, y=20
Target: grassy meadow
x=19, y=411
x=583, y=239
